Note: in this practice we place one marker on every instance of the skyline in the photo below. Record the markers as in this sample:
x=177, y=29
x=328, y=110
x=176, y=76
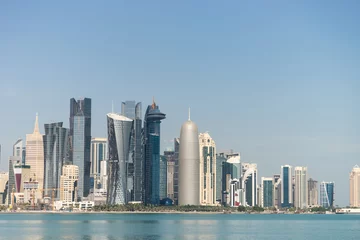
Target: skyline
x=280, y=82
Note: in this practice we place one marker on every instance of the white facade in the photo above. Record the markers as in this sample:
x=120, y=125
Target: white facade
x=103, y=174
x=98, y=153
x=355, y=187
x=207, y=149
x=235, y=193
x=76, y=206
x=249, y=184
x=301, y=188
x=70, y=175
x=35, y=154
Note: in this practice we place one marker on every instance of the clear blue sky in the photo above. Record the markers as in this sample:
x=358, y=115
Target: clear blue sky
x=276, y=80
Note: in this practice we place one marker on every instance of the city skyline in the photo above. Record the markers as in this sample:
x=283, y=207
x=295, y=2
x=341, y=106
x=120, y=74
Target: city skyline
x=289, y=81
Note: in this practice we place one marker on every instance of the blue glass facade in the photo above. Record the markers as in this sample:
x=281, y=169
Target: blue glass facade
x=268, y=193
x=163, y=177
x=327, y=194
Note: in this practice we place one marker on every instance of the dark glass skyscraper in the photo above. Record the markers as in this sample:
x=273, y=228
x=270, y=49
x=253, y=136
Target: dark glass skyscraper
x=152, y=121
x=80, y=137
x=55, y=155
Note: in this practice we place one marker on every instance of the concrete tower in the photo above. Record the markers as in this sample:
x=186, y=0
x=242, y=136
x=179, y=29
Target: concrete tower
x=355, y=187
x=189, y=163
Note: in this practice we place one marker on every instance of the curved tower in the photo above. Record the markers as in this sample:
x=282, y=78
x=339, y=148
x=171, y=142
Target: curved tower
x=189, y=164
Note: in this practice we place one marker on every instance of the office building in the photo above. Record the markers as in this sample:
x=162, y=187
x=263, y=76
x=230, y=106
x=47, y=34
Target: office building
x=4, y=178
x=170, y=170
x=355, y=187
x=301, y=188
x=98, y=153
x=104, y=175
x=189, y=163
x=207, y=169
x=267, y=190
x=176, y=170
x=80, y=137
x=19, y=150
x=152, y=121
x=135, y=171
x=231, y=169
x=313, y=195
x=163, y=177
x=56, y=144
x=277, y=191
x=220, y=159
x=68, y=183
x=286, y=187
x=119, y=141
x=22, y=174
x=35, y=154
x=234, y=193
x=327, y=192
x=249, y=184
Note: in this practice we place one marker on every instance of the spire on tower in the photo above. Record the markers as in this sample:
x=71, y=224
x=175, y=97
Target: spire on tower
x=36, y=128
x=153, y=103
x=189, y=115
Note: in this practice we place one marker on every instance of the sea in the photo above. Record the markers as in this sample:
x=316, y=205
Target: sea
x=153, y=226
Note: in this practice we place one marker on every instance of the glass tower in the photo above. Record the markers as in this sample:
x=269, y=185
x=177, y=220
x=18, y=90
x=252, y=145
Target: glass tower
x=286, y=186
x=152, y=121
x=267, y=194
x=220, y=159
x=80, y=137
x=327, y=194
x=163, y=177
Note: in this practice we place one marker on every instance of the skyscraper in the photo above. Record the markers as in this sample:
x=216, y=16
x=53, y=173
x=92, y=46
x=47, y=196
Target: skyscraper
x=313, y=195
x=176, y=169
x=163, y=177
x=301, y=187
x=220, y=159
x=355, y=187
x=286, y=187
x=189, y=163
x=152, y=121
x=231, y=174
x=327, y=193
x=277, y=191
x=35, y=154
x=207, y=169
x=19, y=150
x=119, y=141
x=133, y=110
x=56, y=140
x=98, y=153
x=170, y=161
x=68, y=183
x=11, y=184
x=80, y=135
x=267, y=191
x=249, y=184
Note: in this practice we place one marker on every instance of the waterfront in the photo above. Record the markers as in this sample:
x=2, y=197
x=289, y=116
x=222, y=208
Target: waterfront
x=178, y=226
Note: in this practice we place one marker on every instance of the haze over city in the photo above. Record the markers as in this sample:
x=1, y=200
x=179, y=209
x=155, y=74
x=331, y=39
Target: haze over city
x=278, y=83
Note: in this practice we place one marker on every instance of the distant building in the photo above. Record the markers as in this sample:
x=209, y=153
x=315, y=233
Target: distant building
x=327, y=193
x=249, y=184
x=220, y=159
x=163, y=177
x=170, y=173
x=98, y=153
x=355, y=187
x=19, y=150
x=267, y=187
x=301, y=188
x=4, y=178
x=286, y=187
x=235, y=193
x=80, y=135
x=231, y=169
x=176, y=170
x=207, y=169
x=22, y=174
x=277, y=191
x=68, y=183
x=103, y=174
x=313, y=195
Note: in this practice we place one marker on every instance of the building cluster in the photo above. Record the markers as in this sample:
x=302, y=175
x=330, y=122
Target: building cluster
x=67, y=167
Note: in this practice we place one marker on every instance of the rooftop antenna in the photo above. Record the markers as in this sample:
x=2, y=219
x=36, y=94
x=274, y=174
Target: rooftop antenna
x=189, y=115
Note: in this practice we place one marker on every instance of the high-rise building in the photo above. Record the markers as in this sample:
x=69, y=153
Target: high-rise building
x=327, y=193
x=68, y=183
x=249, y=184
x=19, y=150
x=35, y=154
x=135, y=171
x=80, y=137
x=11, y=184
x=286, y=187
x=277, y=191
x=163, y=177
x=98, y=153
x=207, y=169
x=189, y=163
x=4, y=178
x=313, y=195
x=170, y=170
x=56, y=140
x=301, y=188
x=355, y=187
x=104, y=174
x=152, y=121
x=220, y=159
x=22, y=174
x=176, y=169
x=119, y=141
x=231, y=172
x=267, y=187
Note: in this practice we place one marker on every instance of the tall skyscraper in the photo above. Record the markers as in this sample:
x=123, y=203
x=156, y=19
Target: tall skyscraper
x=327, y=192
x=98, y=153
x=170, y=161
x=19, y=150
x=133, y=110
x=176, y=169
x=56, y=140
x=152, y=121
x=4, y=179
x=249, y=184
x=189, y=163
x=80, y=135
x=277, y=191
x=68, y=183
x=267, y=192
x=119, y=141
x=230, y=178
x=163, y=177
x=301, y=187
x=11, y=184
x=220, y=159
x=35, y=154
x=207, y=169
x=286, y=187
x=355, y=187
x=313, y=195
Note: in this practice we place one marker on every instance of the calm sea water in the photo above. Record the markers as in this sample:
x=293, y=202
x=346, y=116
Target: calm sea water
x=178, y=226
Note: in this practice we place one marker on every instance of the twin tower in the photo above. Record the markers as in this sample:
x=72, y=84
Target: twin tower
x=189, y=164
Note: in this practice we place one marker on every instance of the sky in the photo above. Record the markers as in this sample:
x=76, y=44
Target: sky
x=277, y=81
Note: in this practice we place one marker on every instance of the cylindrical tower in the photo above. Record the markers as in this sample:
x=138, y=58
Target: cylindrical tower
x=189, y=164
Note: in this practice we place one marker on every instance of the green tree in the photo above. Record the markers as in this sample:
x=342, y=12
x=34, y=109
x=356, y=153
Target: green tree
x=241, y=209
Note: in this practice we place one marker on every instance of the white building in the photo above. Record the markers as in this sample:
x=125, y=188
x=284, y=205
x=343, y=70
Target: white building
x=249, y=184
x=98, y=153
x=301, y=188
x=355, y=187
x=68, y=180
x=75, y=206
x=103, y=174
x=207, y=149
